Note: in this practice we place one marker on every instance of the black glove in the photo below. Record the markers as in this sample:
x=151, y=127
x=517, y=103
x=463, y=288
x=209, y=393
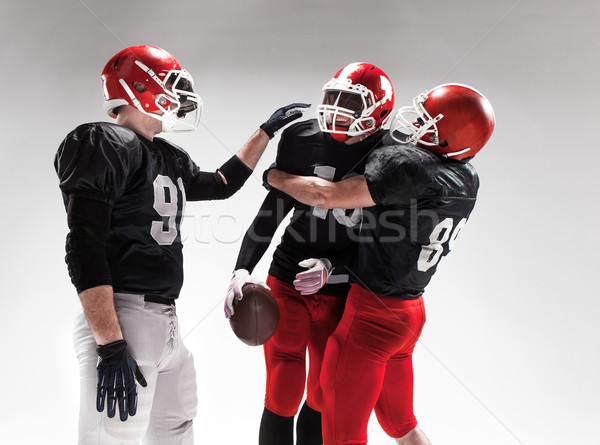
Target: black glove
x=282, y=117
x=116, y=381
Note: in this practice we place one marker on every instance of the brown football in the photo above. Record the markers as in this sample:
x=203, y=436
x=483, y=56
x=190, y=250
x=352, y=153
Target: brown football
x=255, y=316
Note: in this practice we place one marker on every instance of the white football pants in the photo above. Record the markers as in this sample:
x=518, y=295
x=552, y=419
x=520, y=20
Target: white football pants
x=167, y=406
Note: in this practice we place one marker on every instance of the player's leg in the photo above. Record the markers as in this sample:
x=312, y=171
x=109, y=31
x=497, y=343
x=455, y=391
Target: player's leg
x=394, y=408
x=370, y=332
x=308, y=427
x=175, y=400
x=95, y=427
x=285, y=360
x=350, y=381
x=285, y=352
x=325, y=317
x=275, y=429
x=326, y=312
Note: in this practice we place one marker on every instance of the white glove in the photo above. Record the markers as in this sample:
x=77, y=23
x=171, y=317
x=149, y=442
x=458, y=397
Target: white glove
x=234, y=291
x=309, y=282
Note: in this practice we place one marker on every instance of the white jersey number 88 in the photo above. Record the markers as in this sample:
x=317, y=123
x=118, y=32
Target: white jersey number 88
x=431, y=253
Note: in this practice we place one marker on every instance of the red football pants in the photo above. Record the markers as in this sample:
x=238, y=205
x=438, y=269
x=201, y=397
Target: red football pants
x=305, y=321
x=368, y=365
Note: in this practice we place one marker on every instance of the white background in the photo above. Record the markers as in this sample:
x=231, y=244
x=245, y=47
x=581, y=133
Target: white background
x=510, y=351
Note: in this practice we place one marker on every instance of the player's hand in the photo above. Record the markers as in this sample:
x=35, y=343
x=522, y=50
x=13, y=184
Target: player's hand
x=282, y=117
x=117, y=373
x=234, y=291
x=309, y=282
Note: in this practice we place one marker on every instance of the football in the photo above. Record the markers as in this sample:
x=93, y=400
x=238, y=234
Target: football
x=255, y=316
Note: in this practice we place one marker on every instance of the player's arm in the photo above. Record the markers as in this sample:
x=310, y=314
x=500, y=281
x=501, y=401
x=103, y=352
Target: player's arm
x=99, y=309
x=254, y=148
x=89, y=225
x=349, y=193
x=232, y=175
x=258, y=237
x=92, y=174
x=256, y=241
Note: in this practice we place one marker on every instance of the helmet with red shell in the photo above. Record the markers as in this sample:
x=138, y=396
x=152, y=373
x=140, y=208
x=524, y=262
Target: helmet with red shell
x=151, y=80
x=358, y=100
x=452, y=119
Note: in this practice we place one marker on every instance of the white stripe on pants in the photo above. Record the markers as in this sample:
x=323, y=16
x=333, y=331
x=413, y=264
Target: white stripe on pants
x=167, y=406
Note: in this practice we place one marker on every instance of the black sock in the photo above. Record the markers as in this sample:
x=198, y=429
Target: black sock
x=276, y=430
x=309, y=427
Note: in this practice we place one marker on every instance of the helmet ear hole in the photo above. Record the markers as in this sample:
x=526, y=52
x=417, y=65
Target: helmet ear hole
x=383, y=113
x=139, y=87
x=443, y=143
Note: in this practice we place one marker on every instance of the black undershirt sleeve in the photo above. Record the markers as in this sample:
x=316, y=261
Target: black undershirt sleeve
x=89, y=225
x=204, y=186
x=260, y=233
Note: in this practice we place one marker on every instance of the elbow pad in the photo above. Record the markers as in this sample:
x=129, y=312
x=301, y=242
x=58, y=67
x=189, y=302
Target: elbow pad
x=89, y=224
x=236, y=173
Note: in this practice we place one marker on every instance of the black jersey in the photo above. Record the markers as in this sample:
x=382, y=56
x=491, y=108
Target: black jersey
x=312, y=232
x=146, y=183
x=423, y=201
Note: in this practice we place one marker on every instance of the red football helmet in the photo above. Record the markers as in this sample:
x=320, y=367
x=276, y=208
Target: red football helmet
x=151, y=80
x=452, y=119
x=358, y=100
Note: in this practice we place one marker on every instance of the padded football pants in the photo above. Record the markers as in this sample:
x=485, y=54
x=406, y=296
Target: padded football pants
x=305, y=321
x=368, y=365
x=167, y=405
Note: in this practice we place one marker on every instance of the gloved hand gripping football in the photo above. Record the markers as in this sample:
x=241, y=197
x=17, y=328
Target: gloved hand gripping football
x=234, y=291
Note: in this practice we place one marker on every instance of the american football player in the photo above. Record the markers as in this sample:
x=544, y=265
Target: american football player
x=417, y=195
x=125, y=191
x=307, y=275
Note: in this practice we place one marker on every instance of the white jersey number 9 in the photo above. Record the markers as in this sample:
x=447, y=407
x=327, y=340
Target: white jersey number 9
x=166, y=204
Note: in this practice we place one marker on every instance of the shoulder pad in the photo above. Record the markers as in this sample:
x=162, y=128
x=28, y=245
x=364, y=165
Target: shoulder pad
x=94, y=160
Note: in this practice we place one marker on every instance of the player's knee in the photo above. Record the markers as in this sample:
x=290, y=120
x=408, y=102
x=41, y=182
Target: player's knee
x=170, y=432
x=184, y=428
x=283, y=395
x=314, y=397
x=284, y=407
x=398, y=429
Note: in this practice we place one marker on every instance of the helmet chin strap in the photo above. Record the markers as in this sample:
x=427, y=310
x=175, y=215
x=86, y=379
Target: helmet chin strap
x=167, y=125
